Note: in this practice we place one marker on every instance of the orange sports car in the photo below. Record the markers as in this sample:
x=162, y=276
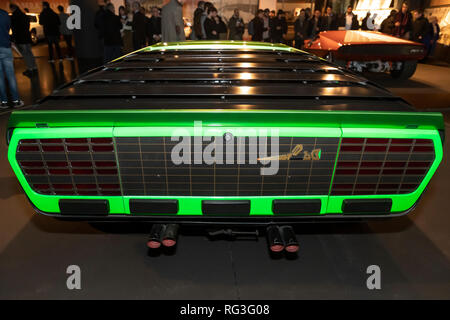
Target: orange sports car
x=368, y=51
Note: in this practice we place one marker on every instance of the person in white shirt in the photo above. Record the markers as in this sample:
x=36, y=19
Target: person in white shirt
x=350, y=20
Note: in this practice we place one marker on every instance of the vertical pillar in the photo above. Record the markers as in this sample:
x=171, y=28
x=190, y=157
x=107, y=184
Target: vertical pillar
x=88, y=45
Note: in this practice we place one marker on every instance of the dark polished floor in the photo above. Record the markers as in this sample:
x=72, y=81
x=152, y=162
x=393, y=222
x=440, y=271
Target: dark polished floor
x=413, y=252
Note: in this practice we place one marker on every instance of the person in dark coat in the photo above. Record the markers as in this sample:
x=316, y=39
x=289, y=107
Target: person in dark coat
x=139, y=27
x=279, y=27
x=434, y=35
x=258, y=26
x=315, y=25
x=112, y=36
x=197, y=33
x=236, y=26
x=349, y=20
x=154, y=27
x=300, y=29
x=214, y=25
x=329, y=20
x=365, y=21
x=403, y=23
x=50, y=21
x=387, y=26
x=420, y=28
x=21, y=36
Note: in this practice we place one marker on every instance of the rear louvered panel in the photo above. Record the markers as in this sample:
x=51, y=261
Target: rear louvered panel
x=146, y=168
x=72, y=166
x=381, y=166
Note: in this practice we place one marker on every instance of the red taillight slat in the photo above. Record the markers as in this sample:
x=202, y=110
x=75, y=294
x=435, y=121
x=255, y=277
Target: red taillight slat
x=76, y=140
x=353, y=140
x=51, y=141
x=35, y=171
x=351, y=148
x=82, y=171
x=399, y=148
x=375, y=149
x=377, y=141
x=86, y=186
x=59, y=171
x=103, y=148
x=30, y=148
x=423, y=149
x=62, y=186
x=31, y=164
x=101, y=140
x=41, y=186
x=78, y=148
x=109, y=186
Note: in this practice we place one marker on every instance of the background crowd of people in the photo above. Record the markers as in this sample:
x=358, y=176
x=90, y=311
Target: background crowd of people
x=134, y=28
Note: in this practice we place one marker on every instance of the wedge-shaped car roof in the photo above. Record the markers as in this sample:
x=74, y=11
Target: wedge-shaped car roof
x=224, y=75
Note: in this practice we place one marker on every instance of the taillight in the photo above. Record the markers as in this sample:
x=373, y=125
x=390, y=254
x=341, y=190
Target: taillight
x=381, y=166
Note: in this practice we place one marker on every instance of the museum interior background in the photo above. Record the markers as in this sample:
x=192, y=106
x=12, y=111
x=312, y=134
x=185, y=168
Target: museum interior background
x=413, y=250
x=85, y=38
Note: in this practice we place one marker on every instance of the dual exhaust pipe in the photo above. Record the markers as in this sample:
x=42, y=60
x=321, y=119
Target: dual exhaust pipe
x=163, y=234
x=279, y=237
x=282, y=238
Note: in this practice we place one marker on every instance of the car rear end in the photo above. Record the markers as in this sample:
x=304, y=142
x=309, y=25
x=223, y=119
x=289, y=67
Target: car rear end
x=267, y=134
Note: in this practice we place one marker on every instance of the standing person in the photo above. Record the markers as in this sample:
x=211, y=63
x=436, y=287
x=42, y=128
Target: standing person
x=98, y=23
x=126, y=31
x=6, y=64
x=203, y=18
x=172, y=23
x=236, y=26
x=197, y=29
x=315, y=25
x=279, y=27
x=420, y=28
x=329, y=20
x=308, y=14
x=300, y=26
x=258, y=26
x=154, y=27
x=267, y=24
x=50, y=20
x=112, y=37
x=387, y=26
x=364, y=25
x=222, y=27
x=20, y=25
x=66, y=32
x=349, y=20
x=434, y=35
x=403, y=23
x=139, y=27
x=211, y=25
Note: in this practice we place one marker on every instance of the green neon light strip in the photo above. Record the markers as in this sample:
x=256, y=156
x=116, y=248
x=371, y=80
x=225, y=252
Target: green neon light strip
x=215, y=45
x=225, y=118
